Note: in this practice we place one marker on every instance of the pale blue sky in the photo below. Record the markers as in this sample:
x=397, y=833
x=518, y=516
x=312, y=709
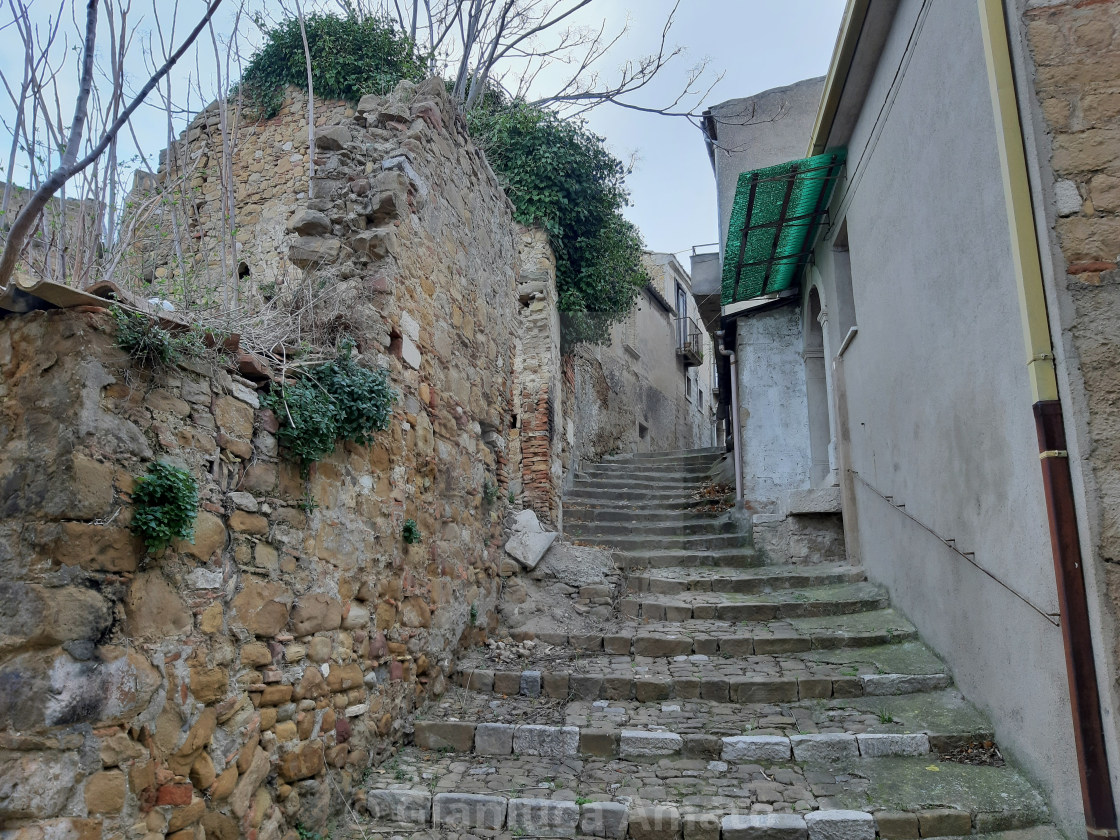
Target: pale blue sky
x=757, y=44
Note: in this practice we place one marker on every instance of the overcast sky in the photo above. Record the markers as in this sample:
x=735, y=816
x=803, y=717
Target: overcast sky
x=756, y=44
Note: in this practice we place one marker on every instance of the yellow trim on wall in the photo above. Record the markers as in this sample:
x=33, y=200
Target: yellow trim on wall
x=1017, y=193
x=850, y=27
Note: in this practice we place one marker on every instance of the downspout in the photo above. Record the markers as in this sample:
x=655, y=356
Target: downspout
x=1088, y=726
x=733, y=420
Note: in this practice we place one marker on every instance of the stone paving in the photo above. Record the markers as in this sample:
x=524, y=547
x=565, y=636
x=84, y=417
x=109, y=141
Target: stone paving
x=727, y=701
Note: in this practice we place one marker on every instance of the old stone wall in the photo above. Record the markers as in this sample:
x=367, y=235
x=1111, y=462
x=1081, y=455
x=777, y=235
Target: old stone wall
x=1075, y=51
x=240, y=685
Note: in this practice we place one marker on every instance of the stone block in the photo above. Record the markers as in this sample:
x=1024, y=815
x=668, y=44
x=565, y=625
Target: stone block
x=468, y=810
x=618, y=687
x=763, y=689
x=840, y=825
x=617, y=645
x=894, y=684
x=753, y=748
x=652, y=689
x=702, y=827
x=332, y=138
x=662, y=646
x=404, y=806
x=551, y=741
x=873, y=745
x=604, y=819
x=635, y=743
x=507, y=683
x=715, y=689
x=310, y=251
x=309, y=223
x=814, y=688
x=493, y=739
x=944, y=822
x=443, y=734
x=480, y=681
x=686, y=688
x=831, y=747
x=603, y=743
x=585, y=686
x=764, y=827
x=658, y=822
x=543, y=817
x=897, y=825
x=555, y=685
x=104, y=792
x=699, y=745
x=530, y=683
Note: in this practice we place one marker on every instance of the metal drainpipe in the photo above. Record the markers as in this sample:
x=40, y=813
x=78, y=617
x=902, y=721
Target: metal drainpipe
x=733, y=420
x=1088, y=726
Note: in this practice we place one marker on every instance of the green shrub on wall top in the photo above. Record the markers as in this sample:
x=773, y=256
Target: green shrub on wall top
x=337, y=400
x=165, y=504
x=560, y=175
x=350, y=57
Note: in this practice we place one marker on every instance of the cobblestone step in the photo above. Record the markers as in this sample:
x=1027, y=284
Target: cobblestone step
x=710, y=454
x=597, y=493
x=902, y=668
x=608, y=502
x=831, y=795
x=812, y=602
x=640, y=517
x=652, y=471
x=673, y=581
x=670, y=542
x=723, y=558
x=912, y=724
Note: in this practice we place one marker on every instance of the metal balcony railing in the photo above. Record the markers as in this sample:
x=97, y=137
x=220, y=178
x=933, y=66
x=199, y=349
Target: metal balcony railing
x=690, y=342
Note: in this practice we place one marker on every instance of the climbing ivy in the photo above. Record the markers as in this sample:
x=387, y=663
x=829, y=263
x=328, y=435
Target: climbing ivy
x=336, y=400
x=350, y=57
x=165, y=504
x=560, y=175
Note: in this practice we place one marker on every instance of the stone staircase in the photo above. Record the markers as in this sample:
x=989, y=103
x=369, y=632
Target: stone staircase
x=727, y=700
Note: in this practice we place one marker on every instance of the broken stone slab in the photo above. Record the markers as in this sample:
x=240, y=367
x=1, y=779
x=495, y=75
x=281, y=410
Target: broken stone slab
x=441, y=734
x=756, y=748
x=831, y=747
x=405, y=806
x=660, y=822
x=469, y=810
x=874, y=745
x=528, y=549
x=604, y=819
x=377, y=243
x=639, y=744
x=552, y=741
x=840, y=825
x=543, y=817
x=764, y=827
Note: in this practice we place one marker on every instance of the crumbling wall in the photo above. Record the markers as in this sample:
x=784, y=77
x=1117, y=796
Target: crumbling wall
x=539, y=436
x=240, y=685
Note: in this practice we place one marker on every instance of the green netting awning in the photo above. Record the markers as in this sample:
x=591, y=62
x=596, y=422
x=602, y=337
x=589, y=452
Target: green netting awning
x=776, y=211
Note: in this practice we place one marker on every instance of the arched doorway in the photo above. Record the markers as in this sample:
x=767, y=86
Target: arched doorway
x=821, y=470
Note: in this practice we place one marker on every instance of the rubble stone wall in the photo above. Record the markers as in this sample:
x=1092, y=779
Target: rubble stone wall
x=242, y=684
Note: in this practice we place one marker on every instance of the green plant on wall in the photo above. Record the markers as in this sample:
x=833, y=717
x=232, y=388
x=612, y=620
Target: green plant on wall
x=350, y=57
x=410, y=532
x=490, y=492
x=165, y=504
x=337, y=400
x=149, y=344
x=560, y=175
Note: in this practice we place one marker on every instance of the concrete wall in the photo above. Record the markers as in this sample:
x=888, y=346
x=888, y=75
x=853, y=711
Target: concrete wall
x=934, y=404
x=763, y=130
x=1068, y=65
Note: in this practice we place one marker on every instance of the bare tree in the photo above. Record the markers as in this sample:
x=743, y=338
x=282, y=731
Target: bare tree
x=510, y=43
x=72, y=143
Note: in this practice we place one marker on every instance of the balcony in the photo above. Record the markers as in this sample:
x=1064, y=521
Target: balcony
x=690, y=342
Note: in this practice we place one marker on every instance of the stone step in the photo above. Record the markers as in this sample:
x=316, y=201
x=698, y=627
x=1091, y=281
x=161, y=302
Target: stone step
x=616, y=468
x=912, y=724
x=640, y=517
x=671, y=542
x=903, y=667
x=656, y=558
x=625, y=494
x=673, y=581
x=653, y=480
x=840, y=599
x=834, y=796
x=641, y=504
x=707, y=525
x=711, y=454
